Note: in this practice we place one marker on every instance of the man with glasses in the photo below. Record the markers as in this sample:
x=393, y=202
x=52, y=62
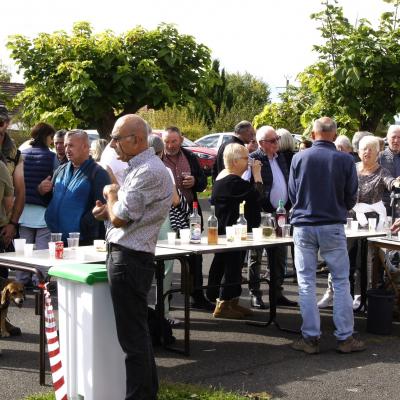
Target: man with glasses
x=74, y=190
x=135, y=212
x=275, y=176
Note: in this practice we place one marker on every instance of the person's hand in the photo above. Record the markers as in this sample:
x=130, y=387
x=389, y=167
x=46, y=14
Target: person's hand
x=188, y=181
x=100, y=211
x=256, y=170
x=396, y=226
x=110, y=190
x=45, y=186
x=396, y=182
x=8, y=233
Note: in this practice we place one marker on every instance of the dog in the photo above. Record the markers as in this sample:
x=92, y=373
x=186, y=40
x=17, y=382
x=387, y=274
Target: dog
x=12, y=291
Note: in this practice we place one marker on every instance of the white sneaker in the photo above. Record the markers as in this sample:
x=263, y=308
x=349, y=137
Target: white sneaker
x=356, y=301
x=327, y=299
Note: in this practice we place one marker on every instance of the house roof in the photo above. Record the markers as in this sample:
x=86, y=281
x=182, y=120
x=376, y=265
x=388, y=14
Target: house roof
x=10, y=90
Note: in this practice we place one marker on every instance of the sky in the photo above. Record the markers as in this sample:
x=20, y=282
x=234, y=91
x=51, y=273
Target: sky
x=271, y=39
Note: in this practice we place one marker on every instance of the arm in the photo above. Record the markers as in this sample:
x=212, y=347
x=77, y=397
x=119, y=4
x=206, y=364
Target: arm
x=351, y=187
x=111, y=195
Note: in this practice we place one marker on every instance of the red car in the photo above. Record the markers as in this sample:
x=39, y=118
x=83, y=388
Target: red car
x=205, y=155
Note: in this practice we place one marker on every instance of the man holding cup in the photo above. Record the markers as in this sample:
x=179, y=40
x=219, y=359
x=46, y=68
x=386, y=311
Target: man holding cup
x=134, y=213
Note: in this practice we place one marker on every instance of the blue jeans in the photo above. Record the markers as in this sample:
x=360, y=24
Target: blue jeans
x=330, y=240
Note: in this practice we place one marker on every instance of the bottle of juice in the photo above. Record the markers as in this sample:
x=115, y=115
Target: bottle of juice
x=212, y=225
x=242, y=222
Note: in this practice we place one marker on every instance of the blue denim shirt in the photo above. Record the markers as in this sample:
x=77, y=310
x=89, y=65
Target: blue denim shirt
x=323, y=185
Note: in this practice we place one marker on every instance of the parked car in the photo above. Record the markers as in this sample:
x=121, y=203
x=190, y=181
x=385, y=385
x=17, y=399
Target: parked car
x=206, y=156
x=214, y=140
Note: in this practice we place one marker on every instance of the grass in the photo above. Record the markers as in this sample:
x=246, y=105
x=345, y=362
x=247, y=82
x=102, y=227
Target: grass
x=179, y=391
x=207, y=192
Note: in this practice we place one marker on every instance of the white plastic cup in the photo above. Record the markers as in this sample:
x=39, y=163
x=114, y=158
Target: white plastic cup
x=348, y=226
x=52, y=249
x=354, y=226
x=238, y=233
x=372, y=224
x=185, y=235
x=230, y=233
x=73, y=243
x=257, y=234
x=55, y=237
x=99, y=245
x=74, y=235
x=19, y=245
x=286, y=230
x=171, y=237
x=28, y=249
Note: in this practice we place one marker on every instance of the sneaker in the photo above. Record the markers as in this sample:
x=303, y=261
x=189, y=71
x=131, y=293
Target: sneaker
x=356, y=302
x=327, y=299
x=309, y=346
x=350, y=345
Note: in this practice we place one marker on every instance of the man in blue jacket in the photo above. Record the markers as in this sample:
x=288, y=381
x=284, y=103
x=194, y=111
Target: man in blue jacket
x=75, y=187
x=322, y=188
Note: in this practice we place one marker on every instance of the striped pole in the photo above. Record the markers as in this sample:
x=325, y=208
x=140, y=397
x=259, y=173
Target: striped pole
x=53, y=348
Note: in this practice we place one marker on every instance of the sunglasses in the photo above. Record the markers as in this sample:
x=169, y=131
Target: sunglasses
x=275, y=140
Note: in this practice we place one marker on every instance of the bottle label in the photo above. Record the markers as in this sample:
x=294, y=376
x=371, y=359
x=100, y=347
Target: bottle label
x=281, y=220
x=195, y=232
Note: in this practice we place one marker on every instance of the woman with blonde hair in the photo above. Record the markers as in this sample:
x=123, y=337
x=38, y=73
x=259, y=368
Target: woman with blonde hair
x=96, y=150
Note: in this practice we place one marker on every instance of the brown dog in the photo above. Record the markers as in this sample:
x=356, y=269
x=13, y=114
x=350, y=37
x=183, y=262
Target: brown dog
x=13, y=291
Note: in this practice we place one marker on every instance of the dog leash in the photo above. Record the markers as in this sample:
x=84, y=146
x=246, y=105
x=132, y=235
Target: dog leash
x=53, y=347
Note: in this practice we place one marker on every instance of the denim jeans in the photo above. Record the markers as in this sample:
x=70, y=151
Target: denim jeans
x=330, y=240
x=130, y=275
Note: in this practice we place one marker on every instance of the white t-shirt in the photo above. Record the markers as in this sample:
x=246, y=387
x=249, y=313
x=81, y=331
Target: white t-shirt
x=109, y=158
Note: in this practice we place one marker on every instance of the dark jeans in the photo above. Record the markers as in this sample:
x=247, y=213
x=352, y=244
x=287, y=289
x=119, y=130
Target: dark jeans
x=226, y=267
x=130, y=274
x=255, y=269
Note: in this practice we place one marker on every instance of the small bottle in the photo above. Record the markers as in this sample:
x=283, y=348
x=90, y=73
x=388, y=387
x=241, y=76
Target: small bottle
x=281, y=218
x=195, y=225
x=242, y=222
x=212, y=225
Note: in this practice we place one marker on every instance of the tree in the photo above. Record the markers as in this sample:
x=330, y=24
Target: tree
x=356, y=76
x=89, y=80
x=5, y=74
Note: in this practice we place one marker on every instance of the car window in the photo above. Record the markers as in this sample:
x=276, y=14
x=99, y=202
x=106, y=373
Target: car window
x=211, y=141
x=226, y=138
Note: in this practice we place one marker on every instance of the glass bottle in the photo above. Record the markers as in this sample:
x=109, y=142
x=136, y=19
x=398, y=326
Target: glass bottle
x=195, y=225
x=281, y=218
x=212, y=225
x=268, y=226
x=242, y=222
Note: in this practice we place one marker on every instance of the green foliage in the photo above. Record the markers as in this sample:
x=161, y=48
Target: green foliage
x=89, y=80
x=5, y=74
x=356, y=77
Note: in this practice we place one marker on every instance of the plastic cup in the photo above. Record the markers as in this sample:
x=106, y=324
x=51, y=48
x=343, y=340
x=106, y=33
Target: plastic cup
x=74, y=235
x=19, y=245
x=73, y=243
x=230, y=233
x=99, y=245
x=348, y=225
x=185, y=235
x=238, y=233
x=28, y=249
x=354, y=226
x=171, y=237
x=286, y=230
x=55, y=237
x=372, y=224
x=52, y=249
x=257, y=234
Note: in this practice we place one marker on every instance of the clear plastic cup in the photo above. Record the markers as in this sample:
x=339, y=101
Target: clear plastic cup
x=257, y=234
x=230, y=233
x=74, y=235
x=28, y=249
x=171, y=237
x=52, y=249
x=55, y=237
x=372, y=224
x=185, y=235
x=19, y=245
x=286, y=230
x=348, y=225
x=73, y=243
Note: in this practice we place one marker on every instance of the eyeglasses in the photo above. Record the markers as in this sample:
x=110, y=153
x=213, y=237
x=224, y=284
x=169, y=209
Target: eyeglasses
x=275, y=140
x=119, y=138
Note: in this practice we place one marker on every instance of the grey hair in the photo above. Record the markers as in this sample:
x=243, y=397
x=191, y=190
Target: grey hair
x=156, y=142
x=287, y=142
x=232, y=152
x=393, y=128
x=79, y=133
x=343, y=141
x=369, y=141
x=242, y=126
x=324, y=125
x=357, y=137
x=260, y=134
x=97, y=147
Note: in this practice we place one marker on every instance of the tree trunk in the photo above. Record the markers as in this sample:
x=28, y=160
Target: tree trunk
x=105, y=125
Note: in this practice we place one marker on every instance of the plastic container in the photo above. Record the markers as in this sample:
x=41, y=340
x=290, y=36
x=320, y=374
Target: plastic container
x=380, y=311
x=93, y=362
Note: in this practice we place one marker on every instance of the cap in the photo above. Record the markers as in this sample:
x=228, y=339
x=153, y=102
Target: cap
x=4, y=113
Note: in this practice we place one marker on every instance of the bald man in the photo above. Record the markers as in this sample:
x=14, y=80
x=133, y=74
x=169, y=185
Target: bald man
x=322, y=188
x=135, y=212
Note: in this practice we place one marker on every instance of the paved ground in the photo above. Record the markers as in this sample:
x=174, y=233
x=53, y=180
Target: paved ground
x=239, y=357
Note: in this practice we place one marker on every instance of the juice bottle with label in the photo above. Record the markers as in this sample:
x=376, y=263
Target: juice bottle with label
x=212, y=226
x=242, y=222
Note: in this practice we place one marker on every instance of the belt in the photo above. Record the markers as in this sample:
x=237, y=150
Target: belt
x=118, y=247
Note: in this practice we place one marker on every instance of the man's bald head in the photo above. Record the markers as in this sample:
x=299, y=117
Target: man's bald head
x=324, y=129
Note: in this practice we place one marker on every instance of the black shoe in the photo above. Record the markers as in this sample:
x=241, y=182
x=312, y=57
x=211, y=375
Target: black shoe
x=285, y=302
x=202, y=303
x=257, y=302
x=13, y=330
